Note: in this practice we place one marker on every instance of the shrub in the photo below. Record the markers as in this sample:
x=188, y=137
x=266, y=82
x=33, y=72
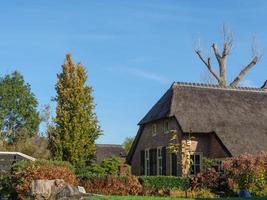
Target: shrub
x=260, y=193
x=24, y=172
x=108, y=167
x=111, y=166
x=165, y=182
x=247, y=171
x=111, y=185
x=212, y=180
x=90, y=172
x=6, y=188
x=198, y=193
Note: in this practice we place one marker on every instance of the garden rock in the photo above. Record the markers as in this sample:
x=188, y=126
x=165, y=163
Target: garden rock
x=244, y=194
x=44, y=189
x=69, y=191
x=56, y=189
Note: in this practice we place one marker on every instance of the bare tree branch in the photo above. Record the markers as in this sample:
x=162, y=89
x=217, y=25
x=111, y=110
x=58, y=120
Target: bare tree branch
x=208, y=65
x=221, y=56
x=226, y=49
x=221, y=61
x=227, y=36
x=216, y=52
x=244, y=71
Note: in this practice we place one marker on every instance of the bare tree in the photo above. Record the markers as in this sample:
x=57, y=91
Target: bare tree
x=222, y=56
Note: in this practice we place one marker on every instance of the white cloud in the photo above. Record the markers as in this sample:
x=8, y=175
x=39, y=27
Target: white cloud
x=247, y=83
x=140, y=74
x=148, y=75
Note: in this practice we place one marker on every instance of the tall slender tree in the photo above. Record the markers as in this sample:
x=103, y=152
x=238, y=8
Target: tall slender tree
x=75, y=126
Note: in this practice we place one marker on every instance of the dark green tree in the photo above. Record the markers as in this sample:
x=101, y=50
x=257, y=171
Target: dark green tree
x=19, y=117
x=75, y=126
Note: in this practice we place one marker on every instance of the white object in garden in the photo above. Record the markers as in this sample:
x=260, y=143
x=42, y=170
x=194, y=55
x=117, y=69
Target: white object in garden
x=81, y=189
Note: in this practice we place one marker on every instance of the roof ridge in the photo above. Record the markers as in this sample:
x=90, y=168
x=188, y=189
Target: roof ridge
x=214, y=86
x=109, y=145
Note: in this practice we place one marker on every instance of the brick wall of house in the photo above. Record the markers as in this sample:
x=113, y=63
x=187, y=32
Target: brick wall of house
x=148, y=141
x=206, y=143
x=216, y=150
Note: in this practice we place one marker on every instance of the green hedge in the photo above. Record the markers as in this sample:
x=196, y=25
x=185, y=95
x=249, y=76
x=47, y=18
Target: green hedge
x=165, y=182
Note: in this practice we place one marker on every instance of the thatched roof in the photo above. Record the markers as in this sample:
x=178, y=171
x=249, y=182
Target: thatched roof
x=264, y=85
x=237, y=115
x=105, y=151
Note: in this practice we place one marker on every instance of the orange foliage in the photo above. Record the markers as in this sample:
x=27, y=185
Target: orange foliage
x=23, y=179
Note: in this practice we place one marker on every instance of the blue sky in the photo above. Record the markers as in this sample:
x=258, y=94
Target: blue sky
x=133, y=50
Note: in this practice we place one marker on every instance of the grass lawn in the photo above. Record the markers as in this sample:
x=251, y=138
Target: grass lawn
x=159, y=198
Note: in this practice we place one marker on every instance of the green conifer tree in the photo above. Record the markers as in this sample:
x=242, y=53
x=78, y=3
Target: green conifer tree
x=75, y=126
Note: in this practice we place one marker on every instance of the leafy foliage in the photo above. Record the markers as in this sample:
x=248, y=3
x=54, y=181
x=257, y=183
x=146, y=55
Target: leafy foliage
x=36, y=147
x=90, y=172
x=106, y=168
x=181, y=147
x=211, y=180
x=127, y=144
x=76, y=127
x=247, y=171
x=18, y=108
x=24, y=172
x=110, y=166
x=211, y=163
x=111, y=185
x=6, y=187
x=198, y=193
x=165, y=182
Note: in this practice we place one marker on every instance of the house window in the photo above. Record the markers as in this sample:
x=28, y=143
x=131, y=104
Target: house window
x=166, y=126
x=173, y=164
x=159, y=161
x=147, y=165
x=195, y=163
x=154, y=129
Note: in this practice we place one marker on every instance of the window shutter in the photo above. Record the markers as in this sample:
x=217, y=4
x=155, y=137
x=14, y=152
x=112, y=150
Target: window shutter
x=174, y=164
x=142, y=162
x=164, y=161
x=153, y=161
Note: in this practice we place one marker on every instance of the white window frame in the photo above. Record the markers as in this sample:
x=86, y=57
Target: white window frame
x=200, y=154
x=159, y=161
x=166, y=130
x=147, y=162
x=154, y=129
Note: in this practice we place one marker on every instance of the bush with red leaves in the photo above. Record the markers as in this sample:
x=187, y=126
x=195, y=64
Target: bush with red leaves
x=247, y=171
x=212, y=180
x=111, y=185
x=24, y=172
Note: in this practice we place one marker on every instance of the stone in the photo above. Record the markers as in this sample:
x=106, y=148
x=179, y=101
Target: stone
x=69, y=191
x=81, y=189
x=44, y=189
x=56, y=189
x=244, y=194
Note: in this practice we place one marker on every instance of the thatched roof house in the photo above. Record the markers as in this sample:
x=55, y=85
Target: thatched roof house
x=236, y=117
x=106, y=151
